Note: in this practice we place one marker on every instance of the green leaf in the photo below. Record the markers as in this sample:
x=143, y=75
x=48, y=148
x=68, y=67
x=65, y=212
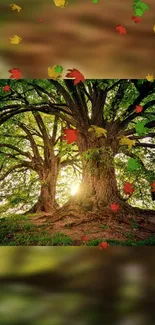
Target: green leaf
x=140, y=128
x=133, y=164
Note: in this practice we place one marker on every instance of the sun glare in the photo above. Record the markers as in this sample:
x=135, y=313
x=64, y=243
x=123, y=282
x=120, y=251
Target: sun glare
x=74, y=189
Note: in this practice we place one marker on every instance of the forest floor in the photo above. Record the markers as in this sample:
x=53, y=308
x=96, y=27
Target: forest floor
x=34, y=230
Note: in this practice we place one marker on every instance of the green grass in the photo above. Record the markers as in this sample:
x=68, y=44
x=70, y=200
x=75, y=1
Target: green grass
x=19, y=231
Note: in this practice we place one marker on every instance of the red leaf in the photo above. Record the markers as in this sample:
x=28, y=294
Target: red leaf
x=128, y=188
x=139, y=108
x=74, y=73
x=121, y=29
x=103, y=245
x=6, y=88
x=114, y=207
x=153, y=187
x=16, y=73
x=136, y=19
x=84, y=238
x=70, y=135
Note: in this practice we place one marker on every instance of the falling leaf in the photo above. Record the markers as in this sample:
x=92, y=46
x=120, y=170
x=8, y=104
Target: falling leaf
x=114, y=207
x=74, y=73
x=58, y=69
x=84, y=238
x=16, y=73
x=140, y=128
x=6, y=88
x=128, y=188
x=121, y=29
x=52, y=72
x=40, y=20
x=153, y=187
x=154, y=28
x=103, y=245
x=127, y=142
x=133, y=164
x=139, y=8
x=15, y=39
x=136, y=19
x=99, y=132
x=15, y=7
x=70, y=135
x=139, y=108
x=60, y=3
x=95, y=1
x=149, y=77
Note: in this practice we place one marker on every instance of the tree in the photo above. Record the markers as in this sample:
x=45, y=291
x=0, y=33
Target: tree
x=33, y=145
x=112, y=118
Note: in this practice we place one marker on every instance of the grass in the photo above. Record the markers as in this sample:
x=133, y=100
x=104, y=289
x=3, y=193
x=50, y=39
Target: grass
x=17, y=230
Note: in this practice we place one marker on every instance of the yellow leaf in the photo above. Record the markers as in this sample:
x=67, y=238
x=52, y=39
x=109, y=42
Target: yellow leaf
x=15, y=7
x=154, y=28
x=15, y=39
x=127, y=142
x=60, y=3
x=99, y=132
x=149, y=77
x=52, y=73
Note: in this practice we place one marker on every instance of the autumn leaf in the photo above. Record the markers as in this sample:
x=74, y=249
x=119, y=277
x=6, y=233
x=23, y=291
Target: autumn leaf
x=125, y=141
x=52, y=73
x=153, y=187
x=6, y=88
x=139, y=108
x=103, y=245
x=16, y=73
x=128, y=188
x=114, y=207
x=99, y=132
x=140, y=128
x=139, y=8
x=136, y=19
x=15, y=39
x=149, y=77
x=74, y=73
x=154, y=28
x=58, y=69
x=133, y=164
x=15, y=7
x=121, y=29
x=70, y=135
x=60, y=3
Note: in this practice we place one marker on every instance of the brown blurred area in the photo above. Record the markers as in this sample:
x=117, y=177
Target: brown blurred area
x=80, y=36
x=61, y=285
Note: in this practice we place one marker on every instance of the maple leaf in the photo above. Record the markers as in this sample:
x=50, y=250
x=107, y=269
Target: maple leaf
x=121, y=29
x=74, y=73
x=140, y=128
x=95, y=1
x=60, y=3
x=16, y=73
x=125, y=141
x=15, y=39
x=133, y=164
x=154, y=28
x=136, y=19
x=6, y=88
x=139, y=8
x=15, y=7
x=153, y=187
x=128, y=188
x=114, y=207
x=52, y=73
x=70, y=135
x=149, y=77
x=139, y=108
x=103, y=245
x=58, y=69
x=99, y=132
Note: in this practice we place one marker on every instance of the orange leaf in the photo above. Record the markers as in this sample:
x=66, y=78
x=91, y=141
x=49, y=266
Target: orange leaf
x=16, y=73
x=103, y=245
x=74, y=73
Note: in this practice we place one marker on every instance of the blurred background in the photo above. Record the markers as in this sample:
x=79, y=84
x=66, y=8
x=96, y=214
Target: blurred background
x=82, y=35
x=80, y=286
